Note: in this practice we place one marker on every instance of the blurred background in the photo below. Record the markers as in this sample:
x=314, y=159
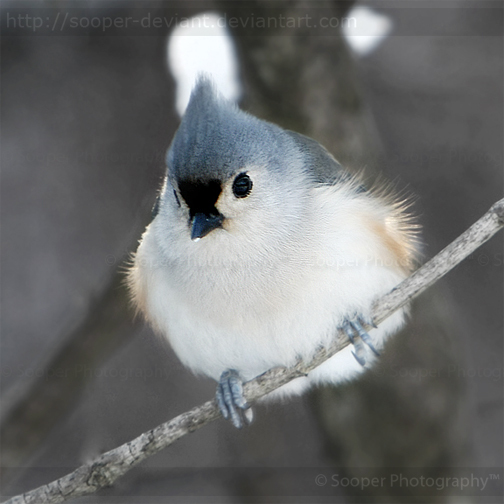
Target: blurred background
x=92, y=93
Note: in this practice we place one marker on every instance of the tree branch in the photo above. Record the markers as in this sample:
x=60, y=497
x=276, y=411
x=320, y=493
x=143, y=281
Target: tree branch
x=106, y=468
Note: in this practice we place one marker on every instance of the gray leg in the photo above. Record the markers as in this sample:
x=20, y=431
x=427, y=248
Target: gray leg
x=357, y=325
x=357, y=335
x=356, y=342
x=230, y=399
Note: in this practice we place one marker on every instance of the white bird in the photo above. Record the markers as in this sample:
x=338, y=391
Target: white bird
x=260, y=248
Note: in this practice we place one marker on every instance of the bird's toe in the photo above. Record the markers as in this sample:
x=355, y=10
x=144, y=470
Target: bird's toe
x=358, y=336
x=230, y=399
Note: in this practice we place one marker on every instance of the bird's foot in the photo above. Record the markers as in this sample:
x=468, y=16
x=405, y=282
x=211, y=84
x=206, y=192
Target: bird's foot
x=357, y=336
x=230, y=399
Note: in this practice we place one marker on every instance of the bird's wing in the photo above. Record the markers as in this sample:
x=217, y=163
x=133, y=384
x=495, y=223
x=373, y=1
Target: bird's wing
x=323, y=167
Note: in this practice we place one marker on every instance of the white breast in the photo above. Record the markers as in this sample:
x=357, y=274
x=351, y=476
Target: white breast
x=267, y=309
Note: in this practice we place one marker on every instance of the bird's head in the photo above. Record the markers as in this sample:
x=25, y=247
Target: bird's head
x=229, y=172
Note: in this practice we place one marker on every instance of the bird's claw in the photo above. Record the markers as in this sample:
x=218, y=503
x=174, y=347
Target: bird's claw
x=355, y=327
x=230, y=399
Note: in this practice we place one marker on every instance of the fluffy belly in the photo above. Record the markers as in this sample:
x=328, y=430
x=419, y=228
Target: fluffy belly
x=252, y=335
x=250, y=341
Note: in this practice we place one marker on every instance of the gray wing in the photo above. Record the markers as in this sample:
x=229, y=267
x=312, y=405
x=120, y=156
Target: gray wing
x=321, y=164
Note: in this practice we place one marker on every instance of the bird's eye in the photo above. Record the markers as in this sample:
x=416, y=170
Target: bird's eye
x=242, y=185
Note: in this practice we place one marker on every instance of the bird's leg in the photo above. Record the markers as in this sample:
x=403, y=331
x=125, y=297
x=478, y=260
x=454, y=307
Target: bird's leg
x=357, y=325
x=230, y=399
x=353, y=327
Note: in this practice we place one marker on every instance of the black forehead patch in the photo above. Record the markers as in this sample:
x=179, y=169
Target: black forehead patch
x=200, y=196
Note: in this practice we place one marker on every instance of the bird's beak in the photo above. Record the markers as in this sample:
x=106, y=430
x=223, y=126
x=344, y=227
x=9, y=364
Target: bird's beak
x=202, y=224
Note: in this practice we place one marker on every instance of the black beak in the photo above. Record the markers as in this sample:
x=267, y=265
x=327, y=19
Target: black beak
x=202, y=224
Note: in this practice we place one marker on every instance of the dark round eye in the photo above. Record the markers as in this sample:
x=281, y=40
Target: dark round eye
x=242, y=185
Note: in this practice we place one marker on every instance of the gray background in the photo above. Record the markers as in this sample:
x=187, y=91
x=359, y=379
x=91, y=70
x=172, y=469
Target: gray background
x=85, y=123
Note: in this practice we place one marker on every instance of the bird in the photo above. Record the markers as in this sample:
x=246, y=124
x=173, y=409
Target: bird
x=261, y=246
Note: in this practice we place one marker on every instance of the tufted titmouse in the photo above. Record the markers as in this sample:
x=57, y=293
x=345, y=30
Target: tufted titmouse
x=261, y=246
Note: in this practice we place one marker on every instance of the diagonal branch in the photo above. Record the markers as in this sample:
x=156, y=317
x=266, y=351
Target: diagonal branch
x=106, y=468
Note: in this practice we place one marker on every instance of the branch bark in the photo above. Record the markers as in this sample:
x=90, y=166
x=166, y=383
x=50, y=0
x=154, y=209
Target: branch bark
x=108, y=467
